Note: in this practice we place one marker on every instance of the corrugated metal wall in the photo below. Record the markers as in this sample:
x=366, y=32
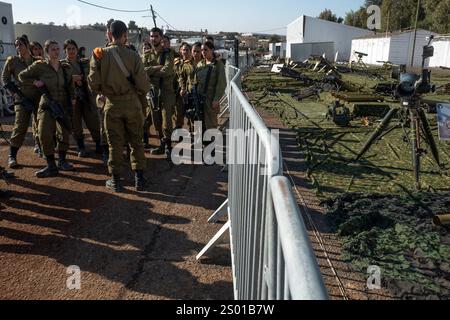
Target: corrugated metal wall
x=302, y=51
x=376, y=48
x=441, y=53
x=90, y=39
x=401, y=47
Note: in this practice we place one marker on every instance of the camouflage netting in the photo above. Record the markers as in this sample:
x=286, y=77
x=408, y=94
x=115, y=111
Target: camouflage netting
x=397, y=234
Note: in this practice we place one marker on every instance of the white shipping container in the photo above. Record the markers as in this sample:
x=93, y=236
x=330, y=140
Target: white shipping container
x=313, y=30
x=7, y=37
x=441, y=52
x=395, y=47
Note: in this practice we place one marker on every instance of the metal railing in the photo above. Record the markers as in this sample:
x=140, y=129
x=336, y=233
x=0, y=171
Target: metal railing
x=272, y=256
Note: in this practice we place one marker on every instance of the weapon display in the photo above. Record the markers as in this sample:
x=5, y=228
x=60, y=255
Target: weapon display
x=28, y=104
x=410, y=89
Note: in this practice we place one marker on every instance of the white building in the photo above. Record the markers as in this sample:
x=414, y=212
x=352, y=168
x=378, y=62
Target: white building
x=7, y=36
x=394, y=47
x=441, y=57
x=278, y=49
x=307, y=30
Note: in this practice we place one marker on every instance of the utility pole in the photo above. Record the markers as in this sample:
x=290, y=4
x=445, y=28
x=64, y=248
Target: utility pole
x=415, y=34
x=153, y=15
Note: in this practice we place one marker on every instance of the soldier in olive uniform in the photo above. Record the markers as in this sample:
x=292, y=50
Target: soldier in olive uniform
x=85, y=108
x=123, y=111
x=159, y=65
x=13, y=66
x=56, y=80
x=178, y=67
x=211, y=84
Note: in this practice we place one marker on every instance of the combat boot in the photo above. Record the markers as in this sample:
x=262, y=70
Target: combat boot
x=141, y=182
x=114, y=184
x=160, y=150
x=5, y=194
x=12, y=159
x=6, y=174
x=81, y=148
x=63, y=165
x=50, y=171
x=147, y=142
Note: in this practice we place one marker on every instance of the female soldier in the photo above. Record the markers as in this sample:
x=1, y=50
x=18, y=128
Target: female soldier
x=211, y=84
x=26, y=105
x=55, y=80
x=186, y=79
x=36, y=50
x=85, y=108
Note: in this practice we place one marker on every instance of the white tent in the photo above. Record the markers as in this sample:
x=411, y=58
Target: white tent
x=441, y=57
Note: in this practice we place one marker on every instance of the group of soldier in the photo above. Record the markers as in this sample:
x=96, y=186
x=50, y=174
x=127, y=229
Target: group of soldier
x=118, y=94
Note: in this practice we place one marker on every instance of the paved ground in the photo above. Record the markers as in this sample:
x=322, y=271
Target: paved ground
x=130, y=246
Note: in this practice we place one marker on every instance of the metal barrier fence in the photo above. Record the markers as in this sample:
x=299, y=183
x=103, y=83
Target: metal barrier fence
x=272, y=256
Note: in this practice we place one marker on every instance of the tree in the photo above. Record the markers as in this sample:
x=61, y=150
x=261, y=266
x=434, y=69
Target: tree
x=132, y=26
x=274, y=38
x=328, y=15
x=357, y=18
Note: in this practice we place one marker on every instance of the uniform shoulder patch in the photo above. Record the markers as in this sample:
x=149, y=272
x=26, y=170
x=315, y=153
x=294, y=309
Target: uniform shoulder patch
x=98, y=53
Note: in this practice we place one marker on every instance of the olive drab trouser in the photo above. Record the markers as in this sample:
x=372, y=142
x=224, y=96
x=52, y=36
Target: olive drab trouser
x=179, y=112
x=21, y=125
x=48, y=129
x=124, y=120
x=89, y=114
x=211, y=116
x=163, y=122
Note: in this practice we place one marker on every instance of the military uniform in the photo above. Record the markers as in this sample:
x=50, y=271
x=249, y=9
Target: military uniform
x=60, y=87
x=123, y=110
x=85, y=108
x=11, y=70
x=162, y=82
x=186, y=80
x=211, y=91
x=179, y=114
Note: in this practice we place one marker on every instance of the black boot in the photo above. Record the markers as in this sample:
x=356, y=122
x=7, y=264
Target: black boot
x=147, y=141
x=12, y=160
x=98, y=148
x=5, y=194
x=6, y=174
x=63, y=165
x=160, y=150
x=50, y=171
x=81, y=148
x=114, y=184
x=168, y=150
x=141, y=182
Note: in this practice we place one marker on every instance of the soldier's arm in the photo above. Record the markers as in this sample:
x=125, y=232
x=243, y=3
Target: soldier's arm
x=183, y=78
x=95, y=77
x=168, y=70
x=6, y=72
x=221, y=82
x=140, y=77
x=31, y=74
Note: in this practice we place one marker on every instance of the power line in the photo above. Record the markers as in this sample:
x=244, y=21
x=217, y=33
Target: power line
x=175, y=29
x=112, y=9
x=269, y=30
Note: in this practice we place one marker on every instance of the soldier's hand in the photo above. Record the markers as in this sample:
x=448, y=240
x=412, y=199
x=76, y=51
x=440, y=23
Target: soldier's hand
x=38, y=83
x=216, y=105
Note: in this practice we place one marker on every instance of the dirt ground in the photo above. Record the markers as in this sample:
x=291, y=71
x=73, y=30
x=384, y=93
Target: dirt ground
x=128, y=246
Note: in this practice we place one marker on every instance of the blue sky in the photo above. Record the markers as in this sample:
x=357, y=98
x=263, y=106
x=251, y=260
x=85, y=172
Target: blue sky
x=226, y=15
